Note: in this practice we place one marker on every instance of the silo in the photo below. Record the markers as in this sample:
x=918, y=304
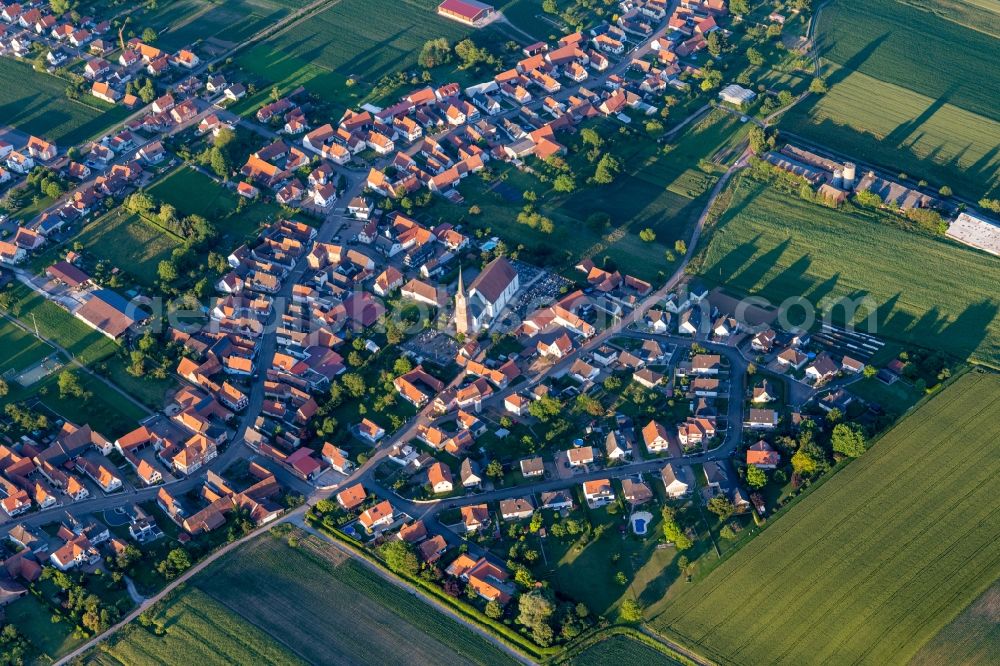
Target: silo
x=838, y=178
x=849, y=175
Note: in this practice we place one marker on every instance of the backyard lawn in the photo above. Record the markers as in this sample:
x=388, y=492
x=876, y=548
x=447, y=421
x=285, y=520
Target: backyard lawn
x=778, y=246
x=871, y=565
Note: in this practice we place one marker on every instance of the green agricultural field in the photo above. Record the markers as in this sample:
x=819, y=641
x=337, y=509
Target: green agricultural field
x=368, y=44
x=200, y=630
x=944, y=128
x=58, y=325
x=183, y=22
x=319, y=605
x=36, y=103
x=620, y=650
x=20, y=348
x=972, y=638
x=872, y=564
x=129, y=243
x=777, y=246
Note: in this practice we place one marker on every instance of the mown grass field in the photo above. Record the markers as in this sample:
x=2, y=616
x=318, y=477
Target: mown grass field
x=777, y=246
x=870, y=566
x=200, y=630
x=971, y=639
x=937, y=114
x=193, y=193
x=321, y=608
x=182, y=22
x=105, y=410
x=129, y=243
x=33, y=619
x=36, y=103
x=20, y=349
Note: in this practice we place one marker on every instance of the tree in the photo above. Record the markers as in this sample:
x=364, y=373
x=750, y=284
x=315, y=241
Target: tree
x=647, y=235
x=494, y=610
x=354, y=384
x=715, y=43
x=545, y=408
x=680, y=247
x=869, y=371
x=711, y=80
x=220, y=162
x=590, y=137
x=630, y=611
x=868, y=199
x=69, y=385
x=672, y=530
x=756, y=478
x=654, y=127
x=149, y=35
x=176, y=563
x=945, y=191
x=754, y=56
x=739, y=7
x=470, y=54
x=534, y=612
x=848, y=439
x=147, y=93
x=399, y=557
x=818, y=85
x=4, y=388
x=721, y=506
x=809, y=459
x=990, y=204
x=785, y=97
x=774, y=31
x=607, y=168
x=928, y=219
x=564, y=182
x=435, y=52
x=727, y=533
x=758, y=140
x=166, y=271
x=495, y=469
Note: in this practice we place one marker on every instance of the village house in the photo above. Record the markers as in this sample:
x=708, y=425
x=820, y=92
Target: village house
x=598, y=493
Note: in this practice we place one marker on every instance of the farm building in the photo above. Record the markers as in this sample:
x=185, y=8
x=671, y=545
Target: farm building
x=469, y=12
x=737, y=95
x=977, y=232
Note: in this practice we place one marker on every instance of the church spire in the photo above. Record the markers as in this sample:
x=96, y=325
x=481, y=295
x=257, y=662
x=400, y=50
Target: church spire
x=461, y=284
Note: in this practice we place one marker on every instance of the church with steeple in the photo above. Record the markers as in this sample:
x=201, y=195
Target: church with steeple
x=488, y=295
